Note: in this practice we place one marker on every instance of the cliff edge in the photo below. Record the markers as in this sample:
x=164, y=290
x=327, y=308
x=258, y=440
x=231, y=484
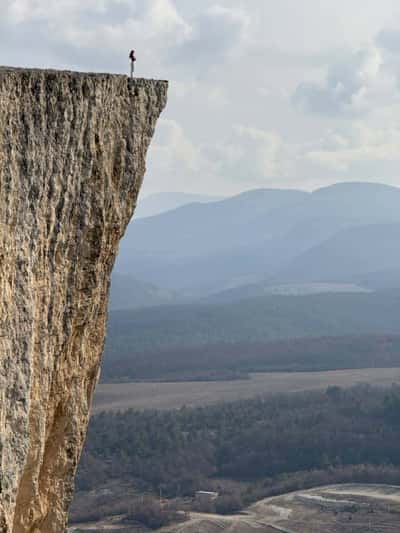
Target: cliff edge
x=72, y=159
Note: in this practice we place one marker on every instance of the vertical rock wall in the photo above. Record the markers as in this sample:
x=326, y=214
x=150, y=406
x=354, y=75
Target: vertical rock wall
x=72, y=159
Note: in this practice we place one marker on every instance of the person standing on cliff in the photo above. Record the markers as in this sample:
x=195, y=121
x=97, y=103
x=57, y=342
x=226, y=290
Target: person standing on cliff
x=132, y=57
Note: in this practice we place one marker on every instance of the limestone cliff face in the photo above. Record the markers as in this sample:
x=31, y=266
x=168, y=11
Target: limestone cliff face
x=72, y=159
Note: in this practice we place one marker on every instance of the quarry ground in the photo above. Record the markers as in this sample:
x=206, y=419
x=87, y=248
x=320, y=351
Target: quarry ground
x=154, y=395
x=351, y=508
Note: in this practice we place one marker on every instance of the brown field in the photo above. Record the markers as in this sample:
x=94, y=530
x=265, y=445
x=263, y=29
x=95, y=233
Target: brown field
x=119, y=396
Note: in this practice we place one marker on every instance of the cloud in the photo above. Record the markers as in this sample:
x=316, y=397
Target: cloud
x=346, y=87
x=248, y=155
x=95, y=35
x=152, y=26
x=361, y=143
x=19, y=12
x=94, y=32
x=218, y=34
x=173, y=149
x=234, y=62
x=389, y=39
x=174, y=160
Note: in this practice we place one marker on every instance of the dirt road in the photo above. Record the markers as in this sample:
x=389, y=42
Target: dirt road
x=365, y=508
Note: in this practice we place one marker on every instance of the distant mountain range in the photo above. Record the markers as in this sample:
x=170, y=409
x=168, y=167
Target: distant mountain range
x=130, y=293
x=344, y=238
x=158, y=203
x=350, y=252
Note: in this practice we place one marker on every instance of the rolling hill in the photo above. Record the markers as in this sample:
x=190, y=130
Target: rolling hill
x=158, y=203
x=200, y=229
x=267, y=235
x=267, y=318
x=351, y=252
x=129, y=293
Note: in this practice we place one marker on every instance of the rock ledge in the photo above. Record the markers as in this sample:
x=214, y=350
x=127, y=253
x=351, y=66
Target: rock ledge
x=72, y=159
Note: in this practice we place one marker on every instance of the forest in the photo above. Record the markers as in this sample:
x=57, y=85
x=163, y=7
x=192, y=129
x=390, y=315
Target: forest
x=248, y=449
x=256, y=320
x=222, y=361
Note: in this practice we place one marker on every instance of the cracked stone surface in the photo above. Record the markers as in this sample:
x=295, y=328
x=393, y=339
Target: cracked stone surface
x=72, y=160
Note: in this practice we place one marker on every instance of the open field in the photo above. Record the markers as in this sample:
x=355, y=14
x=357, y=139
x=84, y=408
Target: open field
x=150, y=395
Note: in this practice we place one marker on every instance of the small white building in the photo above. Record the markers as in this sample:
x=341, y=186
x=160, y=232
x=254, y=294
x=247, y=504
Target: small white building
x=203, y=496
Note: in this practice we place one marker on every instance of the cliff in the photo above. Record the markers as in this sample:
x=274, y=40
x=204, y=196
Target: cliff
x=72, y=159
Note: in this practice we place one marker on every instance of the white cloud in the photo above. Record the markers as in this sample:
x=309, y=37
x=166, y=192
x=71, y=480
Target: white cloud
x=218, y=34
x=234, y=62
x=95, y=32
x=23, y=11
x=173, y=149
x=360, y=144
x=347, y=85
x=248, y=155
x=389, y=39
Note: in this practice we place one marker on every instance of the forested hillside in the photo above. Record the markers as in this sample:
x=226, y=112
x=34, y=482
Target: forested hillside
x=261, y=319
x=235, y=361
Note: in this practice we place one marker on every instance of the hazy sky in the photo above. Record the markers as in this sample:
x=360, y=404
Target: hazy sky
x=282, y=93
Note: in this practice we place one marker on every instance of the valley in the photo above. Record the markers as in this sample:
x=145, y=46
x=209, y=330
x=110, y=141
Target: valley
x=253, y=354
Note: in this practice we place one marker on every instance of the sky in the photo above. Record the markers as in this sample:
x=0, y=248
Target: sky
x=263, y=93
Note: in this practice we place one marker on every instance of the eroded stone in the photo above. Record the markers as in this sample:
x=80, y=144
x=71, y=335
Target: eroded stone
x=72, y=159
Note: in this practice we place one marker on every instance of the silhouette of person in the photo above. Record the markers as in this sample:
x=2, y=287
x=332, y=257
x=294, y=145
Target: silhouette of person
x=132, y=57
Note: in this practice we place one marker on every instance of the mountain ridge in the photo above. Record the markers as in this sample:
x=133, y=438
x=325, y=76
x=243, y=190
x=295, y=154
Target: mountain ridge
x=203, y=248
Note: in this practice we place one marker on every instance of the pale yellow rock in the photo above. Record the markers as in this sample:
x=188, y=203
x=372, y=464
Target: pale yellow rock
x=72, y=159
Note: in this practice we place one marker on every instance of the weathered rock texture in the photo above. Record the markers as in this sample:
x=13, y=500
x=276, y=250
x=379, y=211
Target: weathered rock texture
x=72, y=159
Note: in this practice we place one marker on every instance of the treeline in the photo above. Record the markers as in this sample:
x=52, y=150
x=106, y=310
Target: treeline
x=263, y=319
x=235, y=361
x=255, y=444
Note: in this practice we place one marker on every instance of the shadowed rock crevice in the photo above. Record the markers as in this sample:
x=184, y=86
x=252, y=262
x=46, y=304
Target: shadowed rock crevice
x=72, y=159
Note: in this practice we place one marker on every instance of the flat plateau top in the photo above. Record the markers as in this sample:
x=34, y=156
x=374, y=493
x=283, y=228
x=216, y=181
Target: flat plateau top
x=72, y=74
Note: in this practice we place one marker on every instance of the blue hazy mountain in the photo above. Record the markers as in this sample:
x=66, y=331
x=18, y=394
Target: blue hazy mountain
x=336, y=234
x=130, y=293
x=158, y=203
x=173, y=248
x=350, y=252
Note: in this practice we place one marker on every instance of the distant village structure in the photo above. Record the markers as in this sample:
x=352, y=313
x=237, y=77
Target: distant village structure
x=205, y=497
